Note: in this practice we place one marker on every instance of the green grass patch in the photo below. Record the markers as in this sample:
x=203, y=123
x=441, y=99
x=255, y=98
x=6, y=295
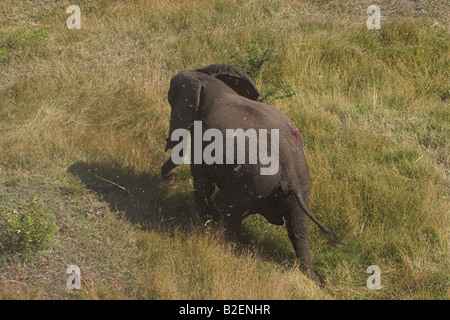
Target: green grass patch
x=26, y=228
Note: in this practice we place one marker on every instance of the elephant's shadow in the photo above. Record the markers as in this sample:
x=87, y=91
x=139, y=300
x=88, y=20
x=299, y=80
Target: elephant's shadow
x=146, y=199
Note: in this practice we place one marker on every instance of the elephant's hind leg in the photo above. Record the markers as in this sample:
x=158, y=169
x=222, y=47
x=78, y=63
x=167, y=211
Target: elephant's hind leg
x=296, y=225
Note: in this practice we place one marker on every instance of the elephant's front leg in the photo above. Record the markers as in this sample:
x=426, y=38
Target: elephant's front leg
x=233, y=209
x=296, y=225
x=203, y=190
x=204, y=205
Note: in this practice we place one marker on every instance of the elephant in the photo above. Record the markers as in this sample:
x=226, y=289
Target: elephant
x=224, y=97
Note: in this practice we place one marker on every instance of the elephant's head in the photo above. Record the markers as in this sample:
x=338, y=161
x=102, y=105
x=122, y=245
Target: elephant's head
x=186, y=87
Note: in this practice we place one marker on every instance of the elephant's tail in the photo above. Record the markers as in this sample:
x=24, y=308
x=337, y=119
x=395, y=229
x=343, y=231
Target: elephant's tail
x=330, y=234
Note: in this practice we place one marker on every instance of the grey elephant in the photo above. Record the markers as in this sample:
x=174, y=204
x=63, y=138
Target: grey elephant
x=224, y=97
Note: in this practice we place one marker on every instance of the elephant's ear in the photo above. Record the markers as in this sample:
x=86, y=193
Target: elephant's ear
x=184, y=98
x=233, y=77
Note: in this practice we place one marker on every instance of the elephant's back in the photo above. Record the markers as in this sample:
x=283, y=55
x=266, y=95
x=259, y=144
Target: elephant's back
x=245, y=114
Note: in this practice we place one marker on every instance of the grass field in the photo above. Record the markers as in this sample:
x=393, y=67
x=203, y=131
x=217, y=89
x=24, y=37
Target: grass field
x=84, y=115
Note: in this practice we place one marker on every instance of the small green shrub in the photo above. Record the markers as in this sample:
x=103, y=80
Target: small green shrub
x=25, y=229
x=260, y=59
x=255, y=56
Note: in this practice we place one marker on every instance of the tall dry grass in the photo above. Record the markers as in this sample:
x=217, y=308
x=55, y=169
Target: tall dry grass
x=371, y=105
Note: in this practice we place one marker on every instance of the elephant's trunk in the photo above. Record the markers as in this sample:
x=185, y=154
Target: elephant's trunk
x=166, y=168
x=169, y=143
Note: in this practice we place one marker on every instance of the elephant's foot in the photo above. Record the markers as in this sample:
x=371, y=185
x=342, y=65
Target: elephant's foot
x=232, y=226
x=233, y=234
x=209, y=221
x=309, y=272
x=209, y=224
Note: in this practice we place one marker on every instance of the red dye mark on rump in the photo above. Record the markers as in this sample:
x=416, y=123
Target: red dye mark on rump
x=293, y=132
